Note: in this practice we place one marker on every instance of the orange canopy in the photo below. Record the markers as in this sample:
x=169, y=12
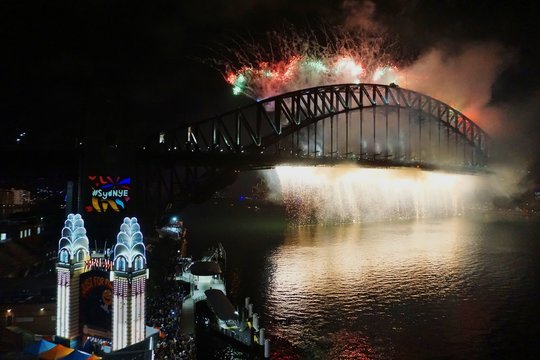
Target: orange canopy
x=57, y=352
x=94, y=357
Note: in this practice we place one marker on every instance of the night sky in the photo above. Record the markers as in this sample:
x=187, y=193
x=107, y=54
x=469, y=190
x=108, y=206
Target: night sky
x=109, y=71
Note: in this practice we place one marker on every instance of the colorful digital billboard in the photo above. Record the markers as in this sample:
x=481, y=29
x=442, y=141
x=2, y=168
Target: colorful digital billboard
x=108, y=193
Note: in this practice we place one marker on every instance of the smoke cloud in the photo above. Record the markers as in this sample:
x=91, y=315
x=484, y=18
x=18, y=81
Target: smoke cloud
x=459, y=63
x=462, y=79
x=361, y=15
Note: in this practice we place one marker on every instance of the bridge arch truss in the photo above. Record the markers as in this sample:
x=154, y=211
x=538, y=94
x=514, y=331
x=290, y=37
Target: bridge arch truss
x=365, y=124
x=361, y=122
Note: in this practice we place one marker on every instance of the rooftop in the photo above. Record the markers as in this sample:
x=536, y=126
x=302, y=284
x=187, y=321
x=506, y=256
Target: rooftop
x=220, y=305
x=205, y=268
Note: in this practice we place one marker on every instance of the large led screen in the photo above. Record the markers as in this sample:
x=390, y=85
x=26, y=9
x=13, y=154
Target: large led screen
x=108, y=193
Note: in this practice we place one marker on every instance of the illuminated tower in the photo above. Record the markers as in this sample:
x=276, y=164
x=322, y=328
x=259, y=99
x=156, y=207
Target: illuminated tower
x=129, y=283
x=72, y=254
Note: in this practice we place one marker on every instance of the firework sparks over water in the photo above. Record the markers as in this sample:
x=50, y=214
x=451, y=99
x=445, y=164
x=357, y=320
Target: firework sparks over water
x=351, y=194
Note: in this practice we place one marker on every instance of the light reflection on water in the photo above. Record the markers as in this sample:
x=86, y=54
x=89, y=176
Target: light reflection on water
x=392, y=290
x=458, y=288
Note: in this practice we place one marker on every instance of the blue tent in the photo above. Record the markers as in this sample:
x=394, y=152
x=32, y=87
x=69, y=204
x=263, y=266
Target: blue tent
x=77, y=355
x=87, y=346
x=38, y=347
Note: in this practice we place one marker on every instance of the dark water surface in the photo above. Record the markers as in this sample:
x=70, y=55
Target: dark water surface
x=458, y=288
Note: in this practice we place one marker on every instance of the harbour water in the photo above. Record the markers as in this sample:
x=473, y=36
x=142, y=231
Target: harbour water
x=465, y=287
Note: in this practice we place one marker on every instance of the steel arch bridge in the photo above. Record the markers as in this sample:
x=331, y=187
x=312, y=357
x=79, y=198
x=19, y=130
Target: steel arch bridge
x=367, y=124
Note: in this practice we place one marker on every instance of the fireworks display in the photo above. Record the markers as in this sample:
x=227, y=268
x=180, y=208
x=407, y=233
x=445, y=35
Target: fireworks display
x=290, y=60
x=293, y=60
x=351, y=194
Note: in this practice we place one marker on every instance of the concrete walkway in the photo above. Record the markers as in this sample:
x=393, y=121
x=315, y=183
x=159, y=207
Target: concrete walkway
x=187, y=319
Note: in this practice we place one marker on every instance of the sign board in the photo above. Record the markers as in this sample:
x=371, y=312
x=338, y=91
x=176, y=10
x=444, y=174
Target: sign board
x=108, y=194
x=96, y=296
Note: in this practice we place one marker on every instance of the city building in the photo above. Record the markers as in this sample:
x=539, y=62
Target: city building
x=21, y=246
x=23, y=229
x=15, y=197
x=6, y=197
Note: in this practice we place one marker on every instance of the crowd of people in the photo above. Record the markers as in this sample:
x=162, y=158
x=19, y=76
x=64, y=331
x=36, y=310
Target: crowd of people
x=163, y=312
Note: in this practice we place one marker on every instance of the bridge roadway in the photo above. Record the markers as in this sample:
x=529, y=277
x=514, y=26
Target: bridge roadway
x=247, y=162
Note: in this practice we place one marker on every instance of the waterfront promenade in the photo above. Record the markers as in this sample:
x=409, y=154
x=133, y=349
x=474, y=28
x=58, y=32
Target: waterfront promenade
x=207, y=310
x=187, y=319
